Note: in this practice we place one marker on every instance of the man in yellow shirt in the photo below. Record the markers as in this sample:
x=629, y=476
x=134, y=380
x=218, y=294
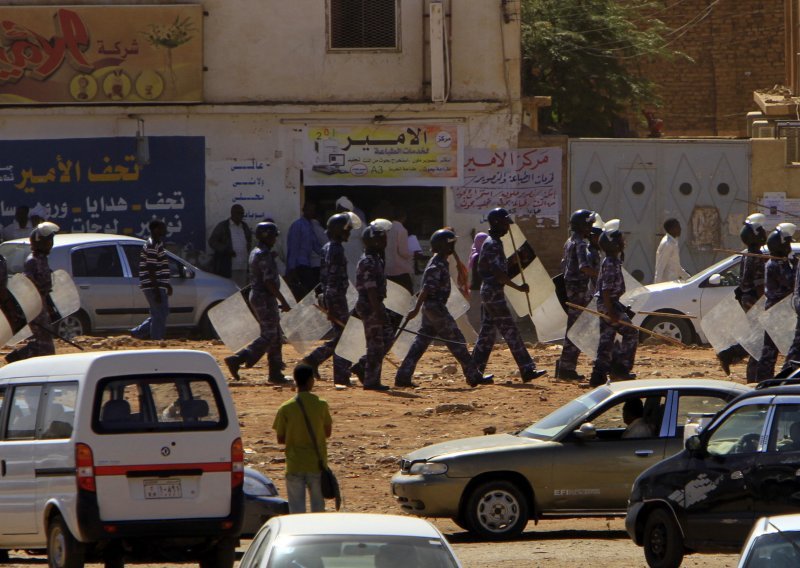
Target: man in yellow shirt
x=302, y=460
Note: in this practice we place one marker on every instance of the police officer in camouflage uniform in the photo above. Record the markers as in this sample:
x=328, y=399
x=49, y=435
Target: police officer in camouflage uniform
x=778, y=283
x=578, y=271
x=593, y=255
x=371, y=287
x=38, y=271
x=613, y=358
x=265, y=296
x=436, y=319
x=495, y=315
x=334, y=283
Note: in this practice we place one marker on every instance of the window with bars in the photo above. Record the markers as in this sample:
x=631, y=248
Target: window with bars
x=363, y=24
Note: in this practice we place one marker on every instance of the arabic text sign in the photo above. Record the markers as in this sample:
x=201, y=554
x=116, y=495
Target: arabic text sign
x=95, y=185
x=101, y=54
x=383, y=155
x=527, y=182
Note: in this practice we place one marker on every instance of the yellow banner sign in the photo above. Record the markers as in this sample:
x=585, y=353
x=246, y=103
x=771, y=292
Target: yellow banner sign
x=101, y=54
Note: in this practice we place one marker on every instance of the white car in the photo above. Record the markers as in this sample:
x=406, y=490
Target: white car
x=695, y=296
x=319, y=540
x=774, y=542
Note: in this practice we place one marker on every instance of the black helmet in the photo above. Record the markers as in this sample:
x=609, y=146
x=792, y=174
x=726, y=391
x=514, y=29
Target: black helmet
x=498, y=217
x=612, y=241
x=779, y=241
x=753, y=232
x=267, y=228
x=443, y=241
x=338, y=224
x=581, y=220
x=374, y=236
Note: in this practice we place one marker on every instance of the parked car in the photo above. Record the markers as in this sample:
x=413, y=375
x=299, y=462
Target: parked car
x=319, y=540
x=774, y=542
x=105, y=269
x=261, y=502
x=575, y=462
x=742, y=466
x=696, y=296
x=120, y=454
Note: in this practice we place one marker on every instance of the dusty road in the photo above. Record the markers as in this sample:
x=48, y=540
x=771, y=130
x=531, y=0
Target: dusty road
x=373, y=430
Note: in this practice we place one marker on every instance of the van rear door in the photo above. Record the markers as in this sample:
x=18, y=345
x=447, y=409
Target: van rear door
x=162, y=448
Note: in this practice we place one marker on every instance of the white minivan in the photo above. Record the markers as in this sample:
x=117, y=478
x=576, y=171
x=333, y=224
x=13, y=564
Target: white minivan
x=116, y=455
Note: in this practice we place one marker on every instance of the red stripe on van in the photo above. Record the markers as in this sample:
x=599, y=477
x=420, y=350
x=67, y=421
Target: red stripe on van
x=211, y=467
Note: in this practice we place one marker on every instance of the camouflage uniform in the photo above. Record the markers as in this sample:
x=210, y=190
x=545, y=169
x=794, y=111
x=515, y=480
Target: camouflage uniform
x=609, y=353
x=437, y=321
x=595, y=258
x=41, y=343
x=333, y=277
x=263, y=268
x=778, y=283
x=495, y=315
x=752, y=288
x=576, y=285
x=794, y=350
x=377, y=327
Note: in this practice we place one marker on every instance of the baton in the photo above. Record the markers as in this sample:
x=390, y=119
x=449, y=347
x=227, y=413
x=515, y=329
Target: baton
x=56, y=334
x=341, y=324
x=762, y=206
x=521, y=273
x=626, y=324
x=753, y=254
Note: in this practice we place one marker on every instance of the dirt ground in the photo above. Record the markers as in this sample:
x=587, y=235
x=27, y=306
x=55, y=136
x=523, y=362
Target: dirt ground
x=371, y=431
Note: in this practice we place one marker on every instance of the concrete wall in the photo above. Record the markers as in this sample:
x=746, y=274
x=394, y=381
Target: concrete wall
x=769, y=170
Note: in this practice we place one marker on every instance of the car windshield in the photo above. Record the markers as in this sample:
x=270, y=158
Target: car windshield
x=713, y=269
x=775, y=550
x=15, y=255
x=354, y=551
x=556, y=421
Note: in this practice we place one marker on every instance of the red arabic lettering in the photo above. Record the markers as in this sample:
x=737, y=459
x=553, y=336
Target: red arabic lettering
x=27, y=50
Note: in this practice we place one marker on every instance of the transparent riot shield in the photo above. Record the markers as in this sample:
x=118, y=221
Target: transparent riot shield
x=779, y=321
x=585, y=332
x=398, y=298
x=287, y=293
x=30, y=302
x=723, y=322
x=635, y=294
x=752, y=338
x=352, y=297
x=470, y=335
x=550, y=320
x=234, y=322
x=65, y=295
x=541, y=287
x=305, y=324
x=352, y=344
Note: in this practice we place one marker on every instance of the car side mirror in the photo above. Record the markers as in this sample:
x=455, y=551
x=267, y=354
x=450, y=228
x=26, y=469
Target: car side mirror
x=187, y=273
x=714, y=280
x=694, y=444
x=587, y=431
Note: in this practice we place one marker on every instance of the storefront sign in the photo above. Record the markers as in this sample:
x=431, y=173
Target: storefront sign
x=383, y=155
x=101, y=54
x=527, y=182
x=97, y=185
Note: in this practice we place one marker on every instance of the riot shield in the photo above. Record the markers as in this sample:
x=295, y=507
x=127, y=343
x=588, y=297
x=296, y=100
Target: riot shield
x=305, y=323
x=64, y=296
x=470, y=335
x=287, y=293
x=234, y=322
x=585, y=332
x=352, y=344
x=352, y=297
x=398, y=298
x=779, y=321
x=635, y=294
x=28, y=301
x=541, y=288
x=752, y=337
x=550, y=320
x=720, y=324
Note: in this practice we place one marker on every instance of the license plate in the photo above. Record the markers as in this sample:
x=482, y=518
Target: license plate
x=162, y=489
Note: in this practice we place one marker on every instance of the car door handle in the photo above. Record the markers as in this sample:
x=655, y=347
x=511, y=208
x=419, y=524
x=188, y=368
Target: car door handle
x=2, y=468
x=643, y=453
x=84, y=286
x=737, y=475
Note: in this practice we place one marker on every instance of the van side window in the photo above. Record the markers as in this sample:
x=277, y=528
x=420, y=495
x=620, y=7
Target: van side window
x=59, y=411
x=23, y=408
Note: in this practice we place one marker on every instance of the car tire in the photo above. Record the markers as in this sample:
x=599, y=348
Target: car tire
x=205, y=329
x=662, y=540
x=461, y=523
x=671, y=327
x=72, y=326
x=63, y=550
x=496, y=510
x=4, y=559
x=221, y=555
x=113, y=557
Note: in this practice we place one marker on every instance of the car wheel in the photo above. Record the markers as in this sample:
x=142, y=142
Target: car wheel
x=205, y=329
x=497, y=510
x=113, y=558
x=4, y=556
x=63, y=550
x=663, y=542
x=461, y=523
x=72, y=326
x=222, y=555
x=671, y=327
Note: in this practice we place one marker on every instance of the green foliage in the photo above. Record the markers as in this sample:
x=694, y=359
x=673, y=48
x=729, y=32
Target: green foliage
x=172, y=36
x=586, y=54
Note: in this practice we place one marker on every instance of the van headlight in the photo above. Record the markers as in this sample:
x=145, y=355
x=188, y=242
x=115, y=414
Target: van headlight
x=427, y=468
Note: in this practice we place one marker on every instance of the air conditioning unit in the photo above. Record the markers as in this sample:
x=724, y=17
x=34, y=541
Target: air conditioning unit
x=750, y=118
x=762, y=129
x=438, y=48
